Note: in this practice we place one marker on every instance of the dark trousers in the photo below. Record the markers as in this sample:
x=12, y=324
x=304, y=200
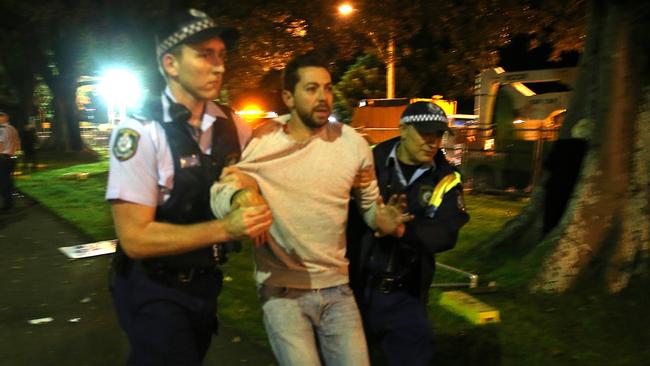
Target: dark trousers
x=168, y=323
x=7, y=165
x=398, y=323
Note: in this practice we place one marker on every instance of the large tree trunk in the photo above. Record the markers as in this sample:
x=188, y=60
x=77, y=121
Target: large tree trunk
x=66, y=134
x=608, y=216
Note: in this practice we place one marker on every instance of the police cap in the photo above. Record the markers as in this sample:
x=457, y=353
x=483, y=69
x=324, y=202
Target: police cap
x=189, y=26
x=426, y=117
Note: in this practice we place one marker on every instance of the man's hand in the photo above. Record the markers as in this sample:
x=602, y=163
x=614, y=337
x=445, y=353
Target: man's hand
x=246, y=198
x=249, y=198
x=364, y=177
x=236, y=178
x=248, y=222
x=390, y=218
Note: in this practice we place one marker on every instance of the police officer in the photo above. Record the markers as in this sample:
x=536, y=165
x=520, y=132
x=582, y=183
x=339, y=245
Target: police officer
x=391, y=275
x=165, y=275
x=9, y=144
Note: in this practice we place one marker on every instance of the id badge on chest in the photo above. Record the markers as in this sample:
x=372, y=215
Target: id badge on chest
x=189, y=161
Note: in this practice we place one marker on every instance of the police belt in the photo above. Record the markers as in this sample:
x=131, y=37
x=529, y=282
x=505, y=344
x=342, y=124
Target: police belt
x=158, y=272
x=169, y=276
x=386, y=282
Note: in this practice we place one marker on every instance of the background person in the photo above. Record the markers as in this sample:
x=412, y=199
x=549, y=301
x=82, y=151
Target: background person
x=29, y=140
x=9, y=145
x=166, y=275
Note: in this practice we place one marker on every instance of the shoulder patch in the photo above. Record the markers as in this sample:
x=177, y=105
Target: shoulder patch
x=126, y=144
x=425, y=195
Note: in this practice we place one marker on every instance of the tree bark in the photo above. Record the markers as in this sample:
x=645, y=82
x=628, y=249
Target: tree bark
x=608, y=216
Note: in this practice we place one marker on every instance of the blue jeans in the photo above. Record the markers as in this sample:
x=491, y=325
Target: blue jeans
x=306, y=327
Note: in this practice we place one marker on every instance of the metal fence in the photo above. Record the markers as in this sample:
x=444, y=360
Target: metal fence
x=511, y=162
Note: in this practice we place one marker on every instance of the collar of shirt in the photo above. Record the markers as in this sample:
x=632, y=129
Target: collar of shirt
x=418, y=173
x=211, y=113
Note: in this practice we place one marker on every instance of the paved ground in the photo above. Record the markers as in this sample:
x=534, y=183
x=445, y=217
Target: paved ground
x=39, y=282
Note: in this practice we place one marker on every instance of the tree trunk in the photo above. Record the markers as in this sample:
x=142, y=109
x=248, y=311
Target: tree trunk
x=66, y=135
x=59, y=140
x=609, y=214
x=71, y=117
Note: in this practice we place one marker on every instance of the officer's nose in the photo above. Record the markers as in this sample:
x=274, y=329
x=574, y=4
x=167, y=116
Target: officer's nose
x=430, y=138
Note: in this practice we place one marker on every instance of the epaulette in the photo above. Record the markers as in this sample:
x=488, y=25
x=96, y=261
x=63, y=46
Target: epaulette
x=150, y=110
x=138, y=116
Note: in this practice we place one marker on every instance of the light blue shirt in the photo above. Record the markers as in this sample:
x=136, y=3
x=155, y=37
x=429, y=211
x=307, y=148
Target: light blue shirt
x=147, y=176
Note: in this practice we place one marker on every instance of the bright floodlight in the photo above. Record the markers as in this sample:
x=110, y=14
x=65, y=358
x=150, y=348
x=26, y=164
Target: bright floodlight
x=346, y=9
x=120, y=87
x=122, y=90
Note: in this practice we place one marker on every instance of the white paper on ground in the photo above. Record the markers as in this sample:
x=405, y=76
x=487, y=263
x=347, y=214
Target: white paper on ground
x=90, y=249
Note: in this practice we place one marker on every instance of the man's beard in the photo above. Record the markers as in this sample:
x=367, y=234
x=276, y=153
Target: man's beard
x=309, y=121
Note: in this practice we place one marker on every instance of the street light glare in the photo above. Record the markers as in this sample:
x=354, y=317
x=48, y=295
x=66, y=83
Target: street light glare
x=121, y=86
x=346, y=9
x=122, y=90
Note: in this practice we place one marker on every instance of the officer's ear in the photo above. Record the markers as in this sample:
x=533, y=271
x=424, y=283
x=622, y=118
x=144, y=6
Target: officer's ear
x=403, y=129
x=169, y=64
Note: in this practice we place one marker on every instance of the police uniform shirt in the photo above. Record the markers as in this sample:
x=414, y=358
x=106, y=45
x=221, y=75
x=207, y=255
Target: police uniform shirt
x=9, y=141
x=141, y=165
x=404, y=182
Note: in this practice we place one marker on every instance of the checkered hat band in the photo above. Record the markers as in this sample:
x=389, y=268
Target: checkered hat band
x=424, y=118
x=183, y=34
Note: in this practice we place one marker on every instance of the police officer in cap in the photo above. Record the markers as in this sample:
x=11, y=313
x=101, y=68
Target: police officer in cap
x=165, y=275
x=391, y=276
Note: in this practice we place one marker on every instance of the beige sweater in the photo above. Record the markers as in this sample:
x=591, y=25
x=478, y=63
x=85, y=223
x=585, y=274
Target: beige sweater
x=307, y=186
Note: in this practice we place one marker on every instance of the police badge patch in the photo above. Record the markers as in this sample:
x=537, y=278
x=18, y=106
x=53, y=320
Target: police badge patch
x=425, y=195
x=126, y=144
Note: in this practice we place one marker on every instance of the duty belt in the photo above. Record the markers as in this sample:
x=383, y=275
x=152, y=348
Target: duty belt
x=386, y=283
x=168, y=276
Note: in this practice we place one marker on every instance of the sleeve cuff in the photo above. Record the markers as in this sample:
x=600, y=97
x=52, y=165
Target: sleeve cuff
x=369, y=216
x=220, y=197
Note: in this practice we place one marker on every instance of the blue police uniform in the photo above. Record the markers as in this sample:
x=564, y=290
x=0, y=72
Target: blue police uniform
x=391, y=277
x=167, y=305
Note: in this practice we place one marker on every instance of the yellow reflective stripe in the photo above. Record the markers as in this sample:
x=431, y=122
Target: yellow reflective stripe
x=445, y=185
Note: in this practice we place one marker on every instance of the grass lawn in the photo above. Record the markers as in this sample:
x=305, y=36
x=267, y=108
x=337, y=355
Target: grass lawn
x=584, y=327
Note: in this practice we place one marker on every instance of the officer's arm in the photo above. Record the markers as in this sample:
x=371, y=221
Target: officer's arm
x=141, y=236
x=439, y=233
